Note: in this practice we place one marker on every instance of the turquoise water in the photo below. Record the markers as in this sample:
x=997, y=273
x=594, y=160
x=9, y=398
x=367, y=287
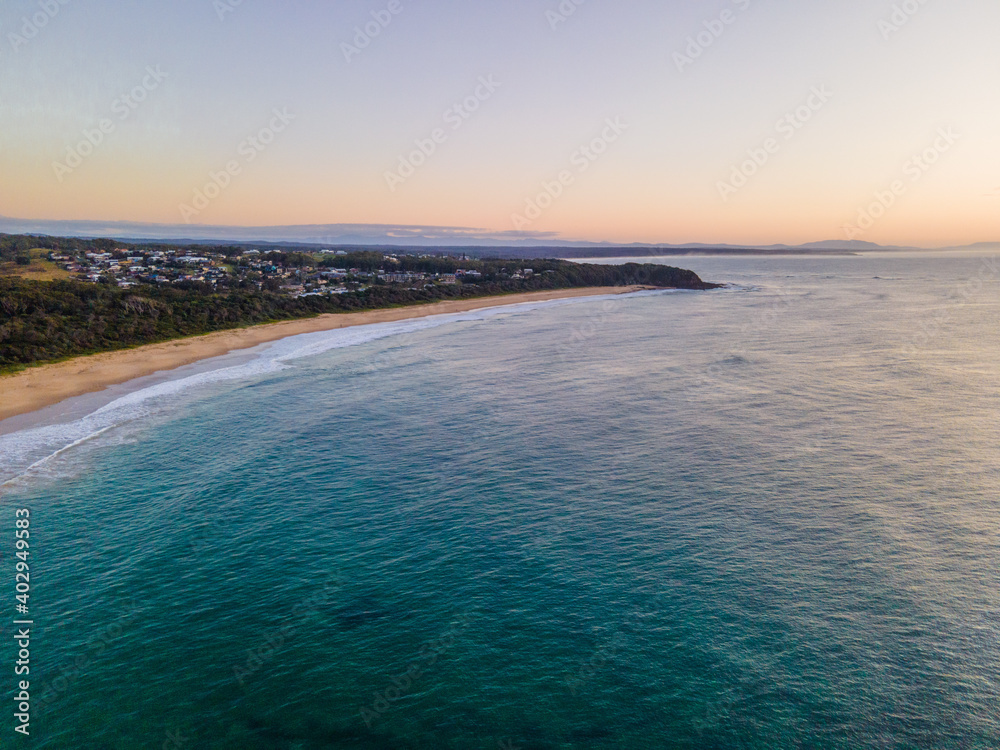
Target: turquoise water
x=763, y=517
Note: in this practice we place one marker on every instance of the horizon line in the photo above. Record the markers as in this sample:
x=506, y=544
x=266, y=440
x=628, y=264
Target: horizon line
x=390, y=235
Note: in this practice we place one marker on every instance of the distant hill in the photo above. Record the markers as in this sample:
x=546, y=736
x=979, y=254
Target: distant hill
x=978, y=246
x=415, y=238
x=856, y=245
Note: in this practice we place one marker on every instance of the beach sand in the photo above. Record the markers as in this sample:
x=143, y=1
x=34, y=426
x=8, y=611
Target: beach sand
x=45, y=385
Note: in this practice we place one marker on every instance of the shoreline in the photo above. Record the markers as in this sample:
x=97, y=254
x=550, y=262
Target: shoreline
x=45, y=385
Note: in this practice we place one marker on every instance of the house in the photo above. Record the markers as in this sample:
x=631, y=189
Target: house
x=401, y=278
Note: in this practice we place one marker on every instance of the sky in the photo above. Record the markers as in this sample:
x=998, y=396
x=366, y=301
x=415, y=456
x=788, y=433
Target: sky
x=718, y=121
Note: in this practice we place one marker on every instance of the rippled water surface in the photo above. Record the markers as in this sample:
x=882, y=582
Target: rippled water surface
x=763, y=517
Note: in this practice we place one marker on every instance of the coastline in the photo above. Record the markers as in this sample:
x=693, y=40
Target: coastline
x=49, y=384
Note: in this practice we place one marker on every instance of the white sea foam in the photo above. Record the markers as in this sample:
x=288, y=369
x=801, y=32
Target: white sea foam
x=31, y=451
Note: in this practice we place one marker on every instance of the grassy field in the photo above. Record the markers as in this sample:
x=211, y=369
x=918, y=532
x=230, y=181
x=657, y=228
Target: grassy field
x=39, y=270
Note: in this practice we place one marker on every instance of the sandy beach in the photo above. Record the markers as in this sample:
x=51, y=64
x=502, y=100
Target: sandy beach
x=45, y=385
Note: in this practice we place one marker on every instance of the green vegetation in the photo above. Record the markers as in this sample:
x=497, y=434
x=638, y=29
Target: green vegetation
x=21, y=256
x=42, y=321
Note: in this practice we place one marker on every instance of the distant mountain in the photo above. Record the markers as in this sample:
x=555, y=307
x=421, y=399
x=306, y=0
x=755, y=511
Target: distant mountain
x=855, y=245
x=978, y=246
x=415, y=237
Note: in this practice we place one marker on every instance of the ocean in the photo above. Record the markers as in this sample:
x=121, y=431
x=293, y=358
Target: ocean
x=759, y=517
